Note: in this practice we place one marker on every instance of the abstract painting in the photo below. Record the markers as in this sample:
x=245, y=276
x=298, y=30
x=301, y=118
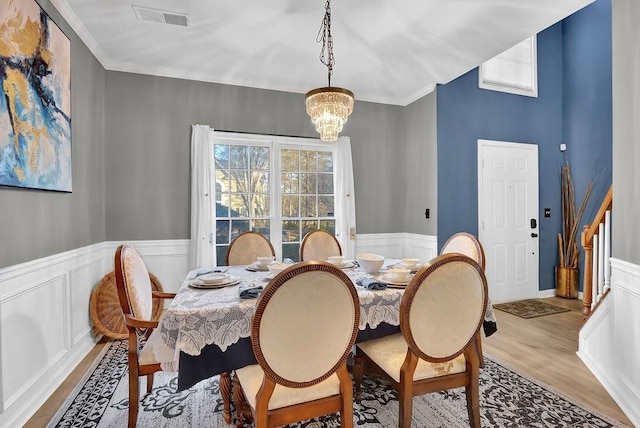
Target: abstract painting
x=35, y=104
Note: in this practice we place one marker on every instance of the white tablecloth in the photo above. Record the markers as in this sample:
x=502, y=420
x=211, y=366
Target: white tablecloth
x=197, y=317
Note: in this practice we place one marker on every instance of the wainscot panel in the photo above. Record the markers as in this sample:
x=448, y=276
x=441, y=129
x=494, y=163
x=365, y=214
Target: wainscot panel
x=609, y=340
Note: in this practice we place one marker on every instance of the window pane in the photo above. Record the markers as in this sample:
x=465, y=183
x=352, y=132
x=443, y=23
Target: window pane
x=222, y=231
x=308, y=226
x=260, y=205
x=325, y=184
x=290, y=206
x=289, y=160
x=328, y=225
x=325, y=206
x=221, y=255
x=308, y=206
x=291, y=251
x=325, y=162
x=308, y=184
x=239, y=205
x=239, y=157
x=221, y=155
x=222, y=207
x=263, y=226
x=307, y=161
x=259, y=158
x=290, y=182
x=237, y=227
x=291, y=231
x=239, y=181
x=259, y=182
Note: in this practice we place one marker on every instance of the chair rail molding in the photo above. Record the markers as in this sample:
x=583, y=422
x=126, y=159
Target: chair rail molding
x=609, y=339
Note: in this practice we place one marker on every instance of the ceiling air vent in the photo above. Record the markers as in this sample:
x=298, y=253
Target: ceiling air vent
x=161, y=16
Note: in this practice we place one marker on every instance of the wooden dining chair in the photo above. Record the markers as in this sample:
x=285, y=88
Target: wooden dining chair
x=136, y=300
x=319, y=245
x=467, y=244
x=302, y=332
x=247, y=247
x=441, y=312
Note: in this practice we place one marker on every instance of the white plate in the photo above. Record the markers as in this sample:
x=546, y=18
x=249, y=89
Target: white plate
x=257, y=268
x=232, y=280
x=413, y=268
x=214, y=278
x=347, y=265
x=389, y=280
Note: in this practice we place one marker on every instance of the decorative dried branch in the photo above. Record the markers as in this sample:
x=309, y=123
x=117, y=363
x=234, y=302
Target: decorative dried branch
x=568, y=240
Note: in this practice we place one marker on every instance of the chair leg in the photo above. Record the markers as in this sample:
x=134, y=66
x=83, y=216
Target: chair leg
x=472, y=391
x=405, y=398
x=149, y=383
x=133, y=394
x=346, y=413
x=479, y=349
x=358, y=374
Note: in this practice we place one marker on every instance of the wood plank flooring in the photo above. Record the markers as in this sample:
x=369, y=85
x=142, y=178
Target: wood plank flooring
x=542, y=348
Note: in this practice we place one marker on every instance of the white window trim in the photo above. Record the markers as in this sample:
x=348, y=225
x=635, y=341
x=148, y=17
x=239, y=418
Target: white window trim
x=494, y=86
x=276, y=143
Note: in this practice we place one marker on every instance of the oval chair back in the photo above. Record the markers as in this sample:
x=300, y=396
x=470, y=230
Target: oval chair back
x=319, y=245
x=247, y=247
x=443, y=307
x=467, y=244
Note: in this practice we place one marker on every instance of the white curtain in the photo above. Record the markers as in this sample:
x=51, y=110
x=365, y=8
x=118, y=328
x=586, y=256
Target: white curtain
x=345, y=199
x=201, y=248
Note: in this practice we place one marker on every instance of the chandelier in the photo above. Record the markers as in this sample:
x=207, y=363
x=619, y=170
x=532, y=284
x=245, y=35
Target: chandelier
x=329, y=107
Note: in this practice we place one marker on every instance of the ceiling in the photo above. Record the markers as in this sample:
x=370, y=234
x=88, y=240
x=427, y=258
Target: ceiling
x=391, y=52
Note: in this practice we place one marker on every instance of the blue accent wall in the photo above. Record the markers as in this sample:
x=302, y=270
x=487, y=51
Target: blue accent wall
x=587, y=93
x=573, y=107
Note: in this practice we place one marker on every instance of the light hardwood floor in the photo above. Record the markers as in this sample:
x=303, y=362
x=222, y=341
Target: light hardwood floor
x=542, y=348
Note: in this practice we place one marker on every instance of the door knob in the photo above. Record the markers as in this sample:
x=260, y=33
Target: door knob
x=534, y=235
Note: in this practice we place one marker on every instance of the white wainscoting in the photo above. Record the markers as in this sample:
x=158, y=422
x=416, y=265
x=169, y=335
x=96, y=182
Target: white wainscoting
x=398, y=245
x=609, y=341
x=45, y=327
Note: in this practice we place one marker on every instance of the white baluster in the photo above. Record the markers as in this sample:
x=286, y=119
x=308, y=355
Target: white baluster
x=600, y=260
x=594, y=272
x=607, y=250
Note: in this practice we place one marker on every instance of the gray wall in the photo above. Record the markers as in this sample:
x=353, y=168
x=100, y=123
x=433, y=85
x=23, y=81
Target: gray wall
x=626, y=134
x=420, y=166
x=34, y=223
x=148, y=141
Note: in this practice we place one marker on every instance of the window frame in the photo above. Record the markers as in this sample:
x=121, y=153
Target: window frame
x=276, y=145
x=483, y=83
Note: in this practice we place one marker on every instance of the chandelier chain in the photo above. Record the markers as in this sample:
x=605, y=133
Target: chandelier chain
x=324, y=36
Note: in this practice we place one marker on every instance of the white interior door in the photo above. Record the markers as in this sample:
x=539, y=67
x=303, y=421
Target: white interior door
x=508, y=218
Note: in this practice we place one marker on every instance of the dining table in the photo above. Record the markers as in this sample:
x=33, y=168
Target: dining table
x=206, y=331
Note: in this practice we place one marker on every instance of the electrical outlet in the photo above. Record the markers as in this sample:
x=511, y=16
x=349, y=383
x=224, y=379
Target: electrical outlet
x=426, y=213
x=547, y=212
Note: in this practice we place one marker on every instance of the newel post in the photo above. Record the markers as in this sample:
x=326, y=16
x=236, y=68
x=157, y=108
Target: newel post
x=588, y=273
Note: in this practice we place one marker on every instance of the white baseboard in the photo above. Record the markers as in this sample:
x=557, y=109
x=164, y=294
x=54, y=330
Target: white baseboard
x=609, y=340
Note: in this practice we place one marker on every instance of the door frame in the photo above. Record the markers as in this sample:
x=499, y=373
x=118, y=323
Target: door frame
x=482, y=143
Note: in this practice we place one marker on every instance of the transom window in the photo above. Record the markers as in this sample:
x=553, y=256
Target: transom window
x=279, y=186
x=514, y=71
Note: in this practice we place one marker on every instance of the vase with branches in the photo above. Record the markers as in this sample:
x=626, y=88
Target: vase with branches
x=569, y=252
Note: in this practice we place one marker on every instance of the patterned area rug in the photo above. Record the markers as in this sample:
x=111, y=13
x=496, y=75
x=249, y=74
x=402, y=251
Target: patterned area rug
x=531, y=308
x=507, y=400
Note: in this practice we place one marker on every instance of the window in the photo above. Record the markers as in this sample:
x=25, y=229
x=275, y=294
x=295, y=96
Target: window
x=279, y=186
x=513, y=71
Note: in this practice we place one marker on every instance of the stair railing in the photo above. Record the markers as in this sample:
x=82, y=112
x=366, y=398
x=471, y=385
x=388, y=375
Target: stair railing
x=596, y=241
